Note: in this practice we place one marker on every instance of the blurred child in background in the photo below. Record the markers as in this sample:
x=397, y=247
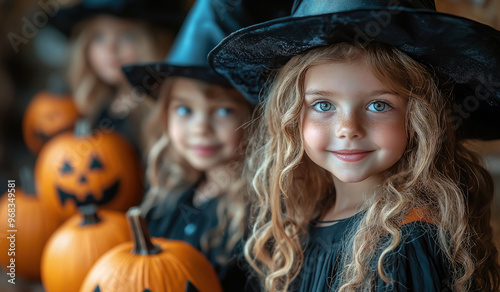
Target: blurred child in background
x=196, y=191
x=105, y=36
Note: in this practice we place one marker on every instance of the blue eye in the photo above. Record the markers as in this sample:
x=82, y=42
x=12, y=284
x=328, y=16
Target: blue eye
x=323, y=106
x=378, y=106
x=183, y=111
x=224, y=111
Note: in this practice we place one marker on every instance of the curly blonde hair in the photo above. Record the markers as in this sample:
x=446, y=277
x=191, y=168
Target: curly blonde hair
x=169, y=175
x=436, y=174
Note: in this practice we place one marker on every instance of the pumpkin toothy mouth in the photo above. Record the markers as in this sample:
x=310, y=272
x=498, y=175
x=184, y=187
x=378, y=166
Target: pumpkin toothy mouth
x=107, y=195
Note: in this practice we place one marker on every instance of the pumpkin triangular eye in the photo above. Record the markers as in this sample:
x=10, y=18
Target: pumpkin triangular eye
x=66, y=167
x=97, y=289
x=96, y=164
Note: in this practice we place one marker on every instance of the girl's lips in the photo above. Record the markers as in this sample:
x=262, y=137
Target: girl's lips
x=351, y=155
x=205, y=150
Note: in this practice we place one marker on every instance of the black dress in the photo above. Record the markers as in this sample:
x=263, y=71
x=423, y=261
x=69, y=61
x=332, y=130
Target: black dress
x=184, y=221
x=417, y=264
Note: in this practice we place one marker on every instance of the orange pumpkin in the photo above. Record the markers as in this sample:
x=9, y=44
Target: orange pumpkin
x=100, y=168
x=33, y=226
x=46, y=116
x=151, y=265
x=77, y=245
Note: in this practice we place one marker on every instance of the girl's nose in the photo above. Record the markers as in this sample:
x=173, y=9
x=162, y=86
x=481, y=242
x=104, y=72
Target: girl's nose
x=113, y=45
x=349, y=126
x=201, y=125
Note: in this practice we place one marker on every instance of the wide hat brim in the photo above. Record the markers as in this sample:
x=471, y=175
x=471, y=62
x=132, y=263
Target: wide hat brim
x=146, y=78
x=464, y=50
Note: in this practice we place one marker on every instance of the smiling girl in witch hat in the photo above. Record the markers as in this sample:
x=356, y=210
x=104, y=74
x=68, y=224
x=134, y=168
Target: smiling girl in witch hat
x=106, y=35
x=196, y=190
x=358, y=165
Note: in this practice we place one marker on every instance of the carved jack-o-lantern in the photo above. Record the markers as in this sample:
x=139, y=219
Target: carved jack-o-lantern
x=99, y=168
x=46, y=116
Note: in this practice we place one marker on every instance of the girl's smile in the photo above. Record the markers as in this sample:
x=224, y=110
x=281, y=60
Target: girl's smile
x=351, y=155
x=353, y=125
x=205, y=151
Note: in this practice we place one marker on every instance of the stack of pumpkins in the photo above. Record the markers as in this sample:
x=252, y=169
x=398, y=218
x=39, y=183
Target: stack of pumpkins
x=83, y=171
x=72, y=170
x=72, y=232
x=94, y=252
x=47, y=115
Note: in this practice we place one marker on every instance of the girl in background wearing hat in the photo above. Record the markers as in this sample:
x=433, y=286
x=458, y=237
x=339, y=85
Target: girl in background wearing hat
x=360, y=172
x=107, y=35
x=197, y=193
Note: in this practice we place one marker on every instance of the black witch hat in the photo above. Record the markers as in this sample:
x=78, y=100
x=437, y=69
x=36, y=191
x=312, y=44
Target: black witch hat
x=466, y=51
x=164, y=13
x=208, y=22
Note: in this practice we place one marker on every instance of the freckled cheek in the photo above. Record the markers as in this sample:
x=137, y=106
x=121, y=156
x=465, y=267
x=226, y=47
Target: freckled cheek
x=315, y=135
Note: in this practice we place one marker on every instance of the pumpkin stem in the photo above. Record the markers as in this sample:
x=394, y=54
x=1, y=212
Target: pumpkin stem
x=89, y=214
x=82, y=128
x=140, y=233
x=27, y=180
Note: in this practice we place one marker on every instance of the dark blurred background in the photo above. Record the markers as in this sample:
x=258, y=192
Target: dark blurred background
x=32, y=58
